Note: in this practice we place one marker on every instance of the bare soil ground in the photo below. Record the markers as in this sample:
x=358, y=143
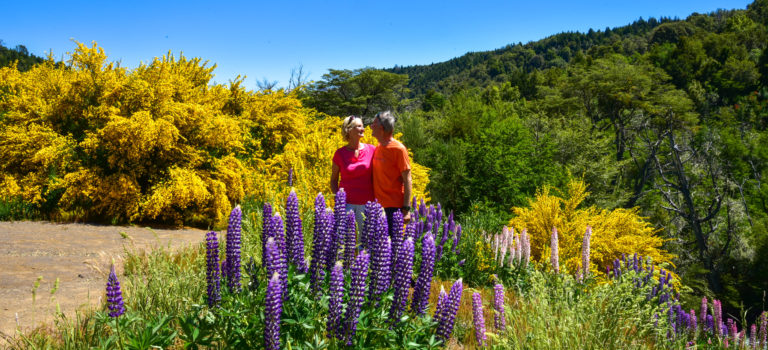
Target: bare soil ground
x=78, y=255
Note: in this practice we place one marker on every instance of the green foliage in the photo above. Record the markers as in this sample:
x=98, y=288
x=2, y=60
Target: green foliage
x=362, y=92
x=18, y=56
x=557, y=312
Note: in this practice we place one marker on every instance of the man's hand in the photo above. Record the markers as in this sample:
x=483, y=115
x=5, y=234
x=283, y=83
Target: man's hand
x=407, y=217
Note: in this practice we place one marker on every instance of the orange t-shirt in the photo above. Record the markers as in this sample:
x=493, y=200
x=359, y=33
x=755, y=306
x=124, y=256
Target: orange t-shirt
x=389, y=162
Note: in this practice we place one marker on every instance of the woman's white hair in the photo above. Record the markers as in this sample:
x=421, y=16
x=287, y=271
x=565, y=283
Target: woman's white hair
x=349, y=124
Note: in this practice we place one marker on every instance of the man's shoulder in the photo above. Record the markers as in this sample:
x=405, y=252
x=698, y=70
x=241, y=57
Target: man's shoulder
x=395, y=144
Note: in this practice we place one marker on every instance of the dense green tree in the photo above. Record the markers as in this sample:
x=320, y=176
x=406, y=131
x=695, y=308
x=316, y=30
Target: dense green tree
x=363, y=92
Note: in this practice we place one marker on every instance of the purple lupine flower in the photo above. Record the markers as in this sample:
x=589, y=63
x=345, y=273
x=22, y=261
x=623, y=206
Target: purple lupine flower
x=585, y=251
x=373, y=212
x=617, y=269
x=448, y=317
x=396, y=234
x=335, y=240
x=414, y=209
x=320, y=203
x=443, y=239
x=336, y=294
x=478, y=319
x=212, y=275
x=290, y=177
x=442, y=302
x=718, y=315
x=418, y=229
x=266, y=219
x=499, y=318
x=763, y=327
x=403, y=272
x=710, y=323
x=555, y=257
x=224, y=268
x=410, y=231
x=277, y=224
x=233, y=250
x=349, y=240
x=272, y=258
x=457, y=239
x=294, y=233
x=356, y=295
x=273, y=307
x=422, y=208
x=420, y=297
x=703, y=312
x=382, y=273
x=317, y=264
x=114, y=295
x=636, y=263
x=461, y=262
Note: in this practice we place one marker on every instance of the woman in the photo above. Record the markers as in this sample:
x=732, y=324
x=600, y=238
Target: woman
x=353, y=163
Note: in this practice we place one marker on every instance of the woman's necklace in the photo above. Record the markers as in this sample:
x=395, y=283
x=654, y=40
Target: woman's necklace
x=357, y=150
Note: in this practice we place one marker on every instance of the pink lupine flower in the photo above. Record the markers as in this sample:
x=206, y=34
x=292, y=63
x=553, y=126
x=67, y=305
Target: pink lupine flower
x=585, y=251
x=526, y=247
x=554, y=258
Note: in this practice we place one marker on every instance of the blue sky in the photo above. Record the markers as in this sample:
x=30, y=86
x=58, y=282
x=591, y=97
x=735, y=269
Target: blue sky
x=268, y=39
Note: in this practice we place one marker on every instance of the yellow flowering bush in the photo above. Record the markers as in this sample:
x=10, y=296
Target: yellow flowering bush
x=91, y=140
x=615, y=232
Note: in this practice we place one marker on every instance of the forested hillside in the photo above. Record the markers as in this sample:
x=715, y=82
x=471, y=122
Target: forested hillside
x=668, y=116
x=18, y=54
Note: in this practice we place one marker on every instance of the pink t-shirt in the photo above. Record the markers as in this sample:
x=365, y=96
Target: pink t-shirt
x=356, y=173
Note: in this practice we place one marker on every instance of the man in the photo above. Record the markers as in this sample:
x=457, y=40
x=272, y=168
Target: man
x=391, y=169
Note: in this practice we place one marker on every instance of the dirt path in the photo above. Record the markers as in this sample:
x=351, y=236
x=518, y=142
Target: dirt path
x=78, y=255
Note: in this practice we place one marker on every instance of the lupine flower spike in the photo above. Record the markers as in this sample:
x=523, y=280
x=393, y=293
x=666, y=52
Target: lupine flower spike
x=356, y=295
x=336, y=294
x=266, y=218
x=273, y=307
x=114, y=295
x=339, y=228
x=442, y=302
x=233, y=250
x=478, y=319
x=585, y=251
x=213, y=277
x=350, y=241
x=282, y=262
x=448, y=317
x=703, y=313
x=403, y=273
x=763, y=328
x=499, y=319
x=424, y=281
x=526, y=248
x=294, y=233
x=317, y=264
x=555, y=257
x=717, y=314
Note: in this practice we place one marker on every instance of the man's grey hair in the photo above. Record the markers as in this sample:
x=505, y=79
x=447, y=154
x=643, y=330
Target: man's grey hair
x=387, y=120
